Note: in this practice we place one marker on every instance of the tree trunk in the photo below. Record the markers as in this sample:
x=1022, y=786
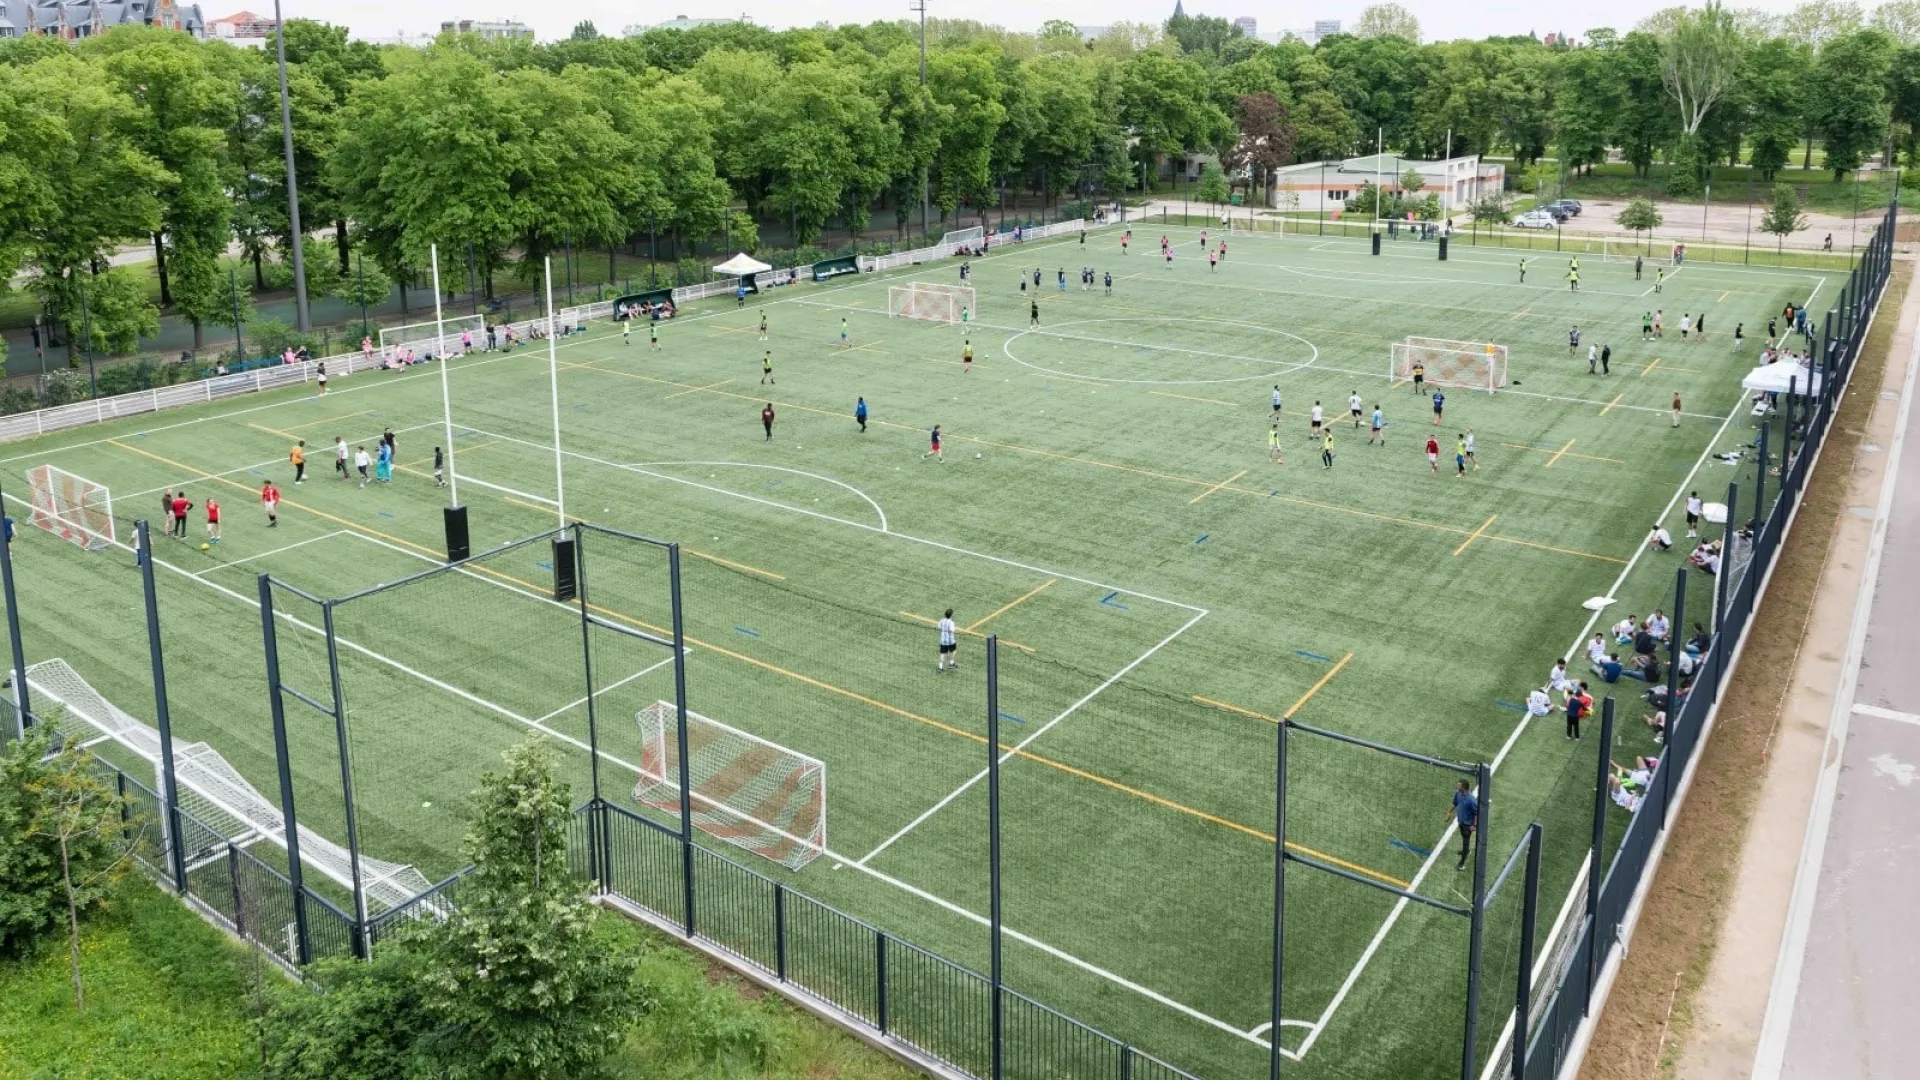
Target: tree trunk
x=199, y=334
x=402, y=280
x=160, y=265
x=73, y=930
x=1806, y=160
x=259, y=275
x=340, y=244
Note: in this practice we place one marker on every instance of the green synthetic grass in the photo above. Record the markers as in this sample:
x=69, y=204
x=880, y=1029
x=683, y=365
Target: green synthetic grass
x=1105, y=502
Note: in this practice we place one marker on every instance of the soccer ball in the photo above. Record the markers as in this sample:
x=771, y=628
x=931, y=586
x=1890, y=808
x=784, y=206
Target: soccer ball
x=206, y=547
x=976, y=455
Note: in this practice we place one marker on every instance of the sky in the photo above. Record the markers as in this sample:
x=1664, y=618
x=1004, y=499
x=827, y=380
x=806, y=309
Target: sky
x=552, y=19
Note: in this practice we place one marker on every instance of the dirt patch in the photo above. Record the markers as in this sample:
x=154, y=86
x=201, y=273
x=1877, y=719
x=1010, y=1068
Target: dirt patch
x=1650, y=1011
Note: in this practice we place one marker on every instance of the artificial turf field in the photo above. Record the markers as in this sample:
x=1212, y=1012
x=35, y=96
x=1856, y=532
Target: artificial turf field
x=1105, y=504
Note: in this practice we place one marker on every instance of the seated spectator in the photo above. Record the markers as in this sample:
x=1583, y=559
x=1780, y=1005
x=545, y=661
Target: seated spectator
x=1647, y=666
x=1597, y=650
x=1686, y=663
x=1624, y=630
x=1644, y=642
x=1701, y=641
x=1607, y=667
x=1660, y=539
x=1657, y=720
x=220, y=367
x=1539, y=702
x=1638, y=777
x=1658, y=626
x=1621, y=795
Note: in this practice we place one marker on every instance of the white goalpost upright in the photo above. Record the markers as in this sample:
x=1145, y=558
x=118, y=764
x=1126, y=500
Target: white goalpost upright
x=71, y=507
x=932, y=301
x=745, y=790
x=1472, y=365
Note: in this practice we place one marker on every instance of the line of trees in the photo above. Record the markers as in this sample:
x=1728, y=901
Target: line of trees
x=516, y=148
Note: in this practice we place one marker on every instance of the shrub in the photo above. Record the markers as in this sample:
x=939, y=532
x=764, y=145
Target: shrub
x=368, y=1022
x=62, y=840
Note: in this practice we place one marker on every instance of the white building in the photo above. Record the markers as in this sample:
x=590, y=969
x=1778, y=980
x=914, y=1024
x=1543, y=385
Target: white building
x=1248, y=25
x=483, y=28
x=678, y=22
x=243, y=28
x=1316, y=186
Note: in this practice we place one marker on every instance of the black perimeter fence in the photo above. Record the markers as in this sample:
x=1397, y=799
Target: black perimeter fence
x=356, y=667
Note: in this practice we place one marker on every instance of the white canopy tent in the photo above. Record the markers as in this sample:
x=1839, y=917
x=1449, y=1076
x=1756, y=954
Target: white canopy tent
x=1783, y=378
x=742, y=265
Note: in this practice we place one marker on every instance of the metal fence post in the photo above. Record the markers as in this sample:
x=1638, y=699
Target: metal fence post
x=1529, y=920
x=780, y=931
x=680, y=735
x=22, y=708
x=880, y=979
x=1477, y=919
x=1594, y=855
x=1759, y=494
x=586, y=653
x=362, y=947
x=233, y=889
x=999, y=1031
x=1668, y=766
x=1279, y=893
x=303, y=941
x=169, y=787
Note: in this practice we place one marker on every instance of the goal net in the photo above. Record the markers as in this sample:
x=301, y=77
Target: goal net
x=930, y=301
x=749, y=792
x=218, y=806
x=442, y=339
x=71, y=507
x=1474, y=365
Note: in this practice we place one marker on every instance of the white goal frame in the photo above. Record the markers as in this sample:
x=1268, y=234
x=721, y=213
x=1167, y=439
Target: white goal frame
x=72, y=507
x=932, y=301
x=1471, y=365
x=442, y=339
x=779, y=813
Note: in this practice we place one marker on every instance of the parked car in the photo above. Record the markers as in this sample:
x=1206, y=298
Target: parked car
x=1571, y=207
x=1536, y=219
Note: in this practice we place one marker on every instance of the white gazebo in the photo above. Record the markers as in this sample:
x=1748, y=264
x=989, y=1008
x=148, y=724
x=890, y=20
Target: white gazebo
x=742, y=265
x=1783, y=378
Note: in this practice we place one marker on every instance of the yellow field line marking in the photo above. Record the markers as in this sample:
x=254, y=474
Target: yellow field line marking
x=732, y=329
x=1557, y=550
x=1561, y=450
x=1650, y=367
x=1024, y=597
x=1236, y=709
x=874, y=345
x=1558, y=455
x=1477, y=534
x=1724, y=295
x=276, y=431
x=1521, y=314
x=776, y=669
x=1315, y=688
x=697, y=389
x=414, y=466
x=1611, y=404
x=1207, y=400
x=1217, y=487
x=969, y=633
x=690, y=551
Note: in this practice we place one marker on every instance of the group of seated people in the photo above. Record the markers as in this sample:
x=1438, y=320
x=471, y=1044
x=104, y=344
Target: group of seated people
x=644, y=309
x=1627, y=787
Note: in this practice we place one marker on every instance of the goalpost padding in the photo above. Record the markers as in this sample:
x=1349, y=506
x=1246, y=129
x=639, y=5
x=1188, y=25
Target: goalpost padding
x=1474, y=365
x=71, y=507
x=747, y=791
x=929, y=300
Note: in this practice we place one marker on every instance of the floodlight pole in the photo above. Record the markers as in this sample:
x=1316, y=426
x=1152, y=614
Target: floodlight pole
x=23, y=709
x=303, y=320
x=446, y=393
x=169, y=788
x=998, y=1013
x=553, y=379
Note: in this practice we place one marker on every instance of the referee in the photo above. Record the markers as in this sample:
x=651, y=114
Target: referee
x=1466, y=814
x=947, y=644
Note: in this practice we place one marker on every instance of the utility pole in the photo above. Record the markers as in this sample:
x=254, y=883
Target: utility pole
x=921, y=7
x=303, y=320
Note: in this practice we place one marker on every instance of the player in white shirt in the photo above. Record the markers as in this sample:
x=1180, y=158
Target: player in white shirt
x=360, y=462
x=1353, y=406
x=1538, y=703
x=1694, y=506
x=340, y=457
x=1660, y=539
x=1658, y=626
x=1468, y=439
x=1276, y=404
x=1379, y=428
x=948, y=644
x=1597, y=649
x=1557, y=679
x=1315, y=420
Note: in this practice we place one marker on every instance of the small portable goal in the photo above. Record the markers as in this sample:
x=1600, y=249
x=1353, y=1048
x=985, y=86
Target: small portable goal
x=931, y=301
x=71, y=507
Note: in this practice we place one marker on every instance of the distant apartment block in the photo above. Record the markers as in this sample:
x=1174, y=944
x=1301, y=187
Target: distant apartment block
x=1248, y=25
x=678, y=22
x=499, y=28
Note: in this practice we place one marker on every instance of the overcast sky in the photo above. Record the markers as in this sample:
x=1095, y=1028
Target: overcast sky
x=555, y=18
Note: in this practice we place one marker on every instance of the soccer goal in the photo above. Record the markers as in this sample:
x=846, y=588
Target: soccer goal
x=1474, y=365
x=752, y=793
x=442, y=339
x=930, y=301
x=73, y=508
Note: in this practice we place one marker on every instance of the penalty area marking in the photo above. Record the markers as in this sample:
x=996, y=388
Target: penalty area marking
x=1281, y=368
x=881, y=514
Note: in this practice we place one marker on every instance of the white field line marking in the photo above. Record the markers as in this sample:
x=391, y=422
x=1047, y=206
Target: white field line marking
x=1361, y=241
x=275, y=551
x=281, y=460
x=1661, y=283
x=1024, y=743
x=1439, y=848
x=1525, y=393
x=1044, y=571
x=881, y=514
x=1864, y=709
x=1816, y=292
x=576, y=703
x=1782, y=996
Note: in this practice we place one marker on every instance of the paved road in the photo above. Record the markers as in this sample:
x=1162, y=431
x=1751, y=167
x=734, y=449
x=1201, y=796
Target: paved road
x=1856, y=1012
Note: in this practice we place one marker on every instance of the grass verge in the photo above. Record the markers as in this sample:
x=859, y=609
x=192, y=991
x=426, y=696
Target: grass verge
x=1691, y=895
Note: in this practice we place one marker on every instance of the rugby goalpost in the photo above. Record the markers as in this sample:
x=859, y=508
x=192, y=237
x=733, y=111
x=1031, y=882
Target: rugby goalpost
x=440, y=338
x=72, y=507
x=1472, y=365
x=748, y=791
x=932, y=301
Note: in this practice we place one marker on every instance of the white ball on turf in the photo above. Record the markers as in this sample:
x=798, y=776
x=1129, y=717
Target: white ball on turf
x=425, y=805
x=976, y=455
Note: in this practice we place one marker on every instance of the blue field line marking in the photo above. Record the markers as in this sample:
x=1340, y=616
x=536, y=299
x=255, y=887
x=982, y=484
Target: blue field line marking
x=543, y=565
x=1510, y=705
x=1203, y=538
x=773, y=483
x=386, y=513
x=1010, y=718
x=744, y=630
x=579, y=404
x=1404, y=846
x=1313, y=656
x=257, y=472
x=1109, y=600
